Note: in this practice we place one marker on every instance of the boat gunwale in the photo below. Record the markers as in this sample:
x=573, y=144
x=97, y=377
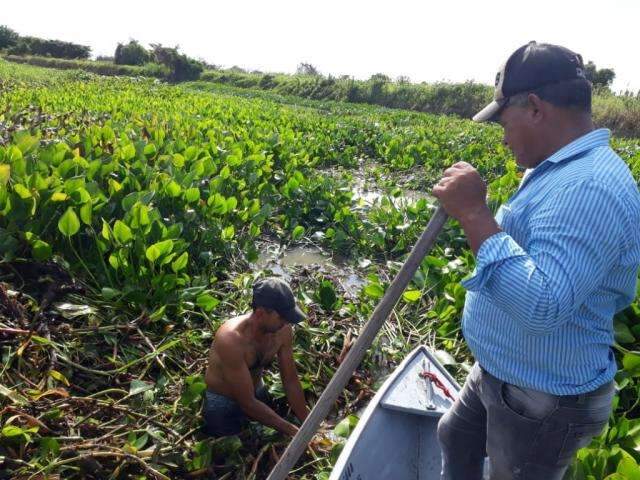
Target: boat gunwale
x=345, y=454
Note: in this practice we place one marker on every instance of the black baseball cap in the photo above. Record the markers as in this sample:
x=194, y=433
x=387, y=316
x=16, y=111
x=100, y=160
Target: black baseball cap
x=276, y=294
x=530, y=67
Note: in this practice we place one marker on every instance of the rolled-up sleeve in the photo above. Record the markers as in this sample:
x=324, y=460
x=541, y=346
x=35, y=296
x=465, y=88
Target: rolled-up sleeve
x=493, y=251
x=574, y=239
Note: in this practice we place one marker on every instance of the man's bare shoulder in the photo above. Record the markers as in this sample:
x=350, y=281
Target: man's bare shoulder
x=285, y=335
x=229, y=337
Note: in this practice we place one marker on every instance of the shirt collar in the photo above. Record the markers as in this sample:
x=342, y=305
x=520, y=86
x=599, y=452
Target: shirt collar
x=596, y=138
x=593, y=139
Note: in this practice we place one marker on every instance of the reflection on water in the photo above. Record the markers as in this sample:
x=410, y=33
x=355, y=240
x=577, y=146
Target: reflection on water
x=281, y=261
x=370, y=196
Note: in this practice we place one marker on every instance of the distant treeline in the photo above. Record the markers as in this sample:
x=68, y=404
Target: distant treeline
x=14, y=44
x=153, y=70
x=463, y=99
x=159, y=61
x=620, y=113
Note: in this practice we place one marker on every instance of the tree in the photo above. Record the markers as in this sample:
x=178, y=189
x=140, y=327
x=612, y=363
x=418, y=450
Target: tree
x=8, y=37
x=131, y=54
x=600, y=78
x=380, y=78
x=49, y=48
x=181, y=67
x=403, y=80
x=307, y=69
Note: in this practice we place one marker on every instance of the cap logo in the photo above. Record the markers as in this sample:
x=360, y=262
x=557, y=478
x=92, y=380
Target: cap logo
x=498, y=95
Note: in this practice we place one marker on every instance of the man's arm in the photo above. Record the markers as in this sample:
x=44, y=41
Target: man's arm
x=237, y=376
x=463, y=193
x=573, y=241
x=289, y=376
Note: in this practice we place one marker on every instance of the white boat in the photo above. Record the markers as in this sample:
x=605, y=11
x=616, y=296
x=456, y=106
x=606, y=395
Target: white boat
x=396, y=437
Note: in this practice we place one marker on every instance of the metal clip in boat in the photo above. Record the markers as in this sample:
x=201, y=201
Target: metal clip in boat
x=430, y=405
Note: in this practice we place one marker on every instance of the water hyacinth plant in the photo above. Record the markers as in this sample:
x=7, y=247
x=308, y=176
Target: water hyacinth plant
x=132, y=218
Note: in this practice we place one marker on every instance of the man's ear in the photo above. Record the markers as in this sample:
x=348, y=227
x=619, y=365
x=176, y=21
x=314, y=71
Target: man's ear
x=536, y=107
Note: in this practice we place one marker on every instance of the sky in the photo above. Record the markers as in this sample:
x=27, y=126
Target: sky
x=428, y=40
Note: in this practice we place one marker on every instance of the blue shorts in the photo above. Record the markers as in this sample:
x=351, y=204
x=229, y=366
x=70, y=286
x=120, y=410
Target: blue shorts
x=223, y=415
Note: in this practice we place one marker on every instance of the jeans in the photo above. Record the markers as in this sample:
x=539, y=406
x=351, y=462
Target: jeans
x=526, y=434
x=223, y=415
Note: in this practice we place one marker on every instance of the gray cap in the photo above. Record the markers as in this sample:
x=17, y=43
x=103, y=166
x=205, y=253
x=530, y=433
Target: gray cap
x=275, y=294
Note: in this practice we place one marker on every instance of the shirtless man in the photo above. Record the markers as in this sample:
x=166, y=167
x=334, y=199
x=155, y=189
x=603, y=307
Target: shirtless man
x=244, y=346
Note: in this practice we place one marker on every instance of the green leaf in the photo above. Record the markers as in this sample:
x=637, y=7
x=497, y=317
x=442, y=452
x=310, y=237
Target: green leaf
x=110, y=293
x=106, y=231
x=122, y=232
x=5, y=174
x=207, y=302
x=218, y=204
x=59, y=377
x=86, y=212
x=194, y=388
x=412, y=295
x=69, y=223
x=178, y=160
x=622, y=333
x=59, y=197
x=48, y=446
x=232, y=203
x=327, y=295
x=346, y=426
x=228, y=233
x=445, y=358
x=41, y=250
x=13, y=431
x=25, y=142
x=138, y=386
x=374, y=290
x=139, y=215
x=631, y=363
x=192, y=194
x=629, y=468
x=173, y=189
x=80, y=195
x=180, y=262
x=150, y=150
x=128, y=152
x=158, y=250
x=298, y=232
x=22, y=191
x=141, y=442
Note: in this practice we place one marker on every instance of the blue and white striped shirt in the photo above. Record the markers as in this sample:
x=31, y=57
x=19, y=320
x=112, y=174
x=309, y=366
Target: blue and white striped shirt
x=540, y=303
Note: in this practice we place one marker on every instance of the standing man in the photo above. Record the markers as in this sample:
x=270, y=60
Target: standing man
x=242, y=348
x=552, y=268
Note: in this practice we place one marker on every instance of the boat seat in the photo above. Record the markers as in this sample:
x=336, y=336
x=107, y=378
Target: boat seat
x=410, y=392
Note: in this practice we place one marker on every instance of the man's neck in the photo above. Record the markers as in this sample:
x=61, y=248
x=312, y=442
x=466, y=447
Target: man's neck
x=254, y=330
x=563, y=134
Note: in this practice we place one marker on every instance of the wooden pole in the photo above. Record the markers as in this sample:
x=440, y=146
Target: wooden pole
x=357, y=352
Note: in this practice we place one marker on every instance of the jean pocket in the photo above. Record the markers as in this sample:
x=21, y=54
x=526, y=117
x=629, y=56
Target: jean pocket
x=527, y=403
x=578, y=436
